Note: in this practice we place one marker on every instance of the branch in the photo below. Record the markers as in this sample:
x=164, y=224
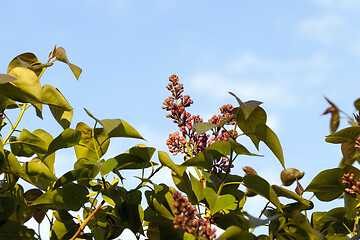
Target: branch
x=87, y=220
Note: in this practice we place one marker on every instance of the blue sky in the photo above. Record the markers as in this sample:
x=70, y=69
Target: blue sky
x=287, y=54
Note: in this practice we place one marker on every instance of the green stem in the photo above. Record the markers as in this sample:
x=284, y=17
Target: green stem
x=356, y=223
x=191, y=155
x=351, y=233
x=16, y=124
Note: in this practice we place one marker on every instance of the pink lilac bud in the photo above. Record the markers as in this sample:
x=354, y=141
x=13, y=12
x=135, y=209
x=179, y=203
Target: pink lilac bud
x=357, y=144
x=189, y=220
x=352, y=187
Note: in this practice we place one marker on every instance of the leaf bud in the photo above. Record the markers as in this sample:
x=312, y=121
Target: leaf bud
x=289, y=175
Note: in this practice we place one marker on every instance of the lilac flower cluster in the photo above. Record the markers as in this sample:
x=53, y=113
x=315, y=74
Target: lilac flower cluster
x=186, y=140
x=176, y=104
x=187, y=218
x=352, y=186
x=357, y=144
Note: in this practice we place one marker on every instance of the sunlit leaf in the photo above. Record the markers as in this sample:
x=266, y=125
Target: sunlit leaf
x=61, y=56
x=4, y=78
x=263, y=188
x=52, y=96
x=248, y=107
x=63, y=230
x=265, y=134
x=249, y=125
x=165, y=160
x=136, y=157
x=61, y=116
x=73, y=175
x=236, y=233
x=70, y=197
x=26, y=60
x=13, y=166
x=93, y=144
x=217, y=202
x=117, y=127
x=25, y=89
x=68, y=138
x=327, y=185
x=33, y=141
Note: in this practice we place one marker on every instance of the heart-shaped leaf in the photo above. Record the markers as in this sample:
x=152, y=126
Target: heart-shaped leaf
x=68, y=138
x=217, y=202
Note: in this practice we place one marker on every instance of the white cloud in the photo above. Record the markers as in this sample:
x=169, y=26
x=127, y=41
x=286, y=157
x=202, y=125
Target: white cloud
x=281, y=84
x=271, y=81
x=322, y=28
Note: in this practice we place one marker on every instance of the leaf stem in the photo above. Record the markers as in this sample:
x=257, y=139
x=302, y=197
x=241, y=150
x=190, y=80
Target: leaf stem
x=356, y=223
x=87, y=220
x=191, y=155
x=351, y=233
x=16, y=124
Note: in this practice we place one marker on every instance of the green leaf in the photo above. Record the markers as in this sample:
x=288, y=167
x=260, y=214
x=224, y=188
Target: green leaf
x=52, y=96
x=344, y=135
x=61, y=116
x=13, y=166
x=255, y=222
x=203, y=127
x=37, y=169
x=64, y=230
x=265, y=134
x=302, y=222
x=15, y=230
x=19, y=149
x=4, y=78
x=205, y=159
x=183, y=183
x=249, y=125
x=133, y=215
x=236, y=233
x=119, y=128
x=61, y=56
x=197, y=188
x=116, y=127
x=283, y=192
x=327, y=185
x=68, y=138
x=74, y=175
x=218, y=202
x=70, y=197
x=240, y=149
x=357, y=104
x=248, y=107
x=136, y=157
x=27, y=60
x=93, y=144
x=263, y=188
x=26, y=88
x=104, y=166
x=165, y=160
x=161, y=201
x=33, y=141
x=334, y=121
